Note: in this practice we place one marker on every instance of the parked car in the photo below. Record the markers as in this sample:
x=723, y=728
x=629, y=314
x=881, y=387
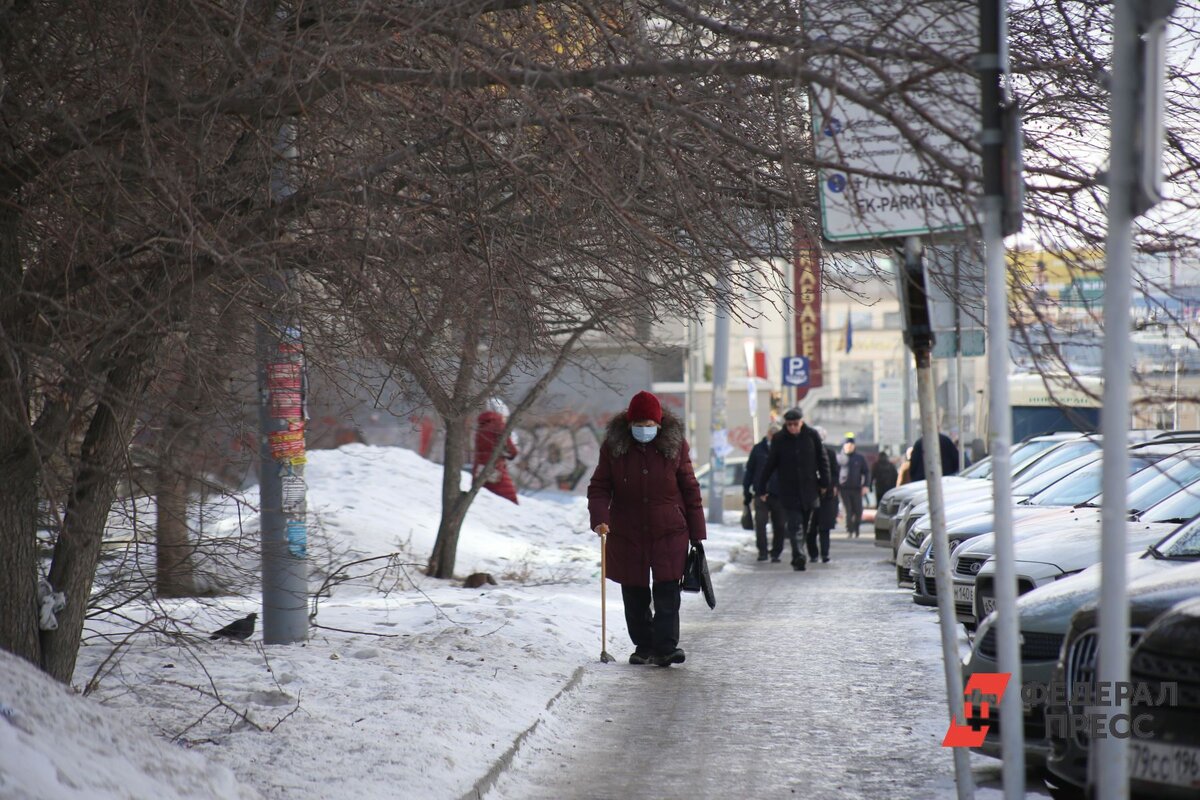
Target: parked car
x=1044, y=618
x=735, y=470
x=1166, y=763
x=1170, y=497
x=897, y=501
x=1149, y=597
x=1042, y=463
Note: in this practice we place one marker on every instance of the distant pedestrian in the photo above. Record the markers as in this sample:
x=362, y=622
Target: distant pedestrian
x=803, y=466
x=489, y=429
x=947, y=450
x=883, y=475
x=816, y=536
x=769, y=510
x=853, y=483
x=645, y=497
x=904, y=474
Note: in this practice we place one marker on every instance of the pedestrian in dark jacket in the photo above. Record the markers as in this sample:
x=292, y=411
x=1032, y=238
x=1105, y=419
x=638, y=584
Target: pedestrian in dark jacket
x=816, y=536
x=770, y=509
x=852, y=483
x=645, y=497
x=883, y=475
x=799, y=457
x=949, y=453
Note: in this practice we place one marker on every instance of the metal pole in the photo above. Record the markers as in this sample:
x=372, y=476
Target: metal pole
x=689, y=365
x=718, y=436
x=1175, y=410
x=927, y=398
x=281, y=419
x=1110, y=755
x=993, y=66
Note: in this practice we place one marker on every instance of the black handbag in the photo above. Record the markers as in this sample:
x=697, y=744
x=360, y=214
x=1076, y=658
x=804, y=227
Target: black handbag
x=747, y=518
x=695, y=575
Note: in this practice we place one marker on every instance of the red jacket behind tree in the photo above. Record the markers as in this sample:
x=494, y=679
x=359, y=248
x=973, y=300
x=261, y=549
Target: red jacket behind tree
x=489, y=428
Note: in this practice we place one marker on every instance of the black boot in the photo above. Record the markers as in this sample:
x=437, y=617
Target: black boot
x=676, y=656
x=799, y=563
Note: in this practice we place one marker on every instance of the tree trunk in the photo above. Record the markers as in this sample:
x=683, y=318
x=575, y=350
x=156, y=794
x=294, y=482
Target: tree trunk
x=88, y=506
x=175, y=574
x=19, y=475
x=455, y=501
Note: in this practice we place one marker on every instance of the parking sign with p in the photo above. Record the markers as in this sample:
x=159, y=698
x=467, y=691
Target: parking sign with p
x=795, y=371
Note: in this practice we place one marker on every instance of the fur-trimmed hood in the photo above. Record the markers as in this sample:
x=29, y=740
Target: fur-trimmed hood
x=619, y=438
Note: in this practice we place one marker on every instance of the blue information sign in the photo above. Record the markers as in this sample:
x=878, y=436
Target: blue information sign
x=795, y=371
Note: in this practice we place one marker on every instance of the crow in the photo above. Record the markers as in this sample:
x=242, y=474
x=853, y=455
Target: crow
x=240, y=629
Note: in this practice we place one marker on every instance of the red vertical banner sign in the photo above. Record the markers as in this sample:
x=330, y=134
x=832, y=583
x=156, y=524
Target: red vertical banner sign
x=806, y=279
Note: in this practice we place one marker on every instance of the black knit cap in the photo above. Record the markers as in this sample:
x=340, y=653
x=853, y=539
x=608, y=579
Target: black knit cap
x=793, y=414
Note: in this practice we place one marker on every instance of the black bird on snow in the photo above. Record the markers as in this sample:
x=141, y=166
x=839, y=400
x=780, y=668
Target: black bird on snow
x=239, y=629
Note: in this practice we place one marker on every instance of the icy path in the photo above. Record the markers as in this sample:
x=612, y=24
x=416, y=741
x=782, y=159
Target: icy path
x=821, y=684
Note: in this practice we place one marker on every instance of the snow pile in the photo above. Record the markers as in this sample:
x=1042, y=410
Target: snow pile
x=409, y=687
x=54, y=744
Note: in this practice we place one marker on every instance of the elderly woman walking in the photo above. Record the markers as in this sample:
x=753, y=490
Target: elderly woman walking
x=644, y=495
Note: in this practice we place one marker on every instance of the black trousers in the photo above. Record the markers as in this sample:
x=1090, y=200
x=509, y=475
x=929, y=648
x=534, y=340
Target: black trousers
x=655, y=632
x=852, y=500
x=816, y=537
x=770, y=511
x=798, y=520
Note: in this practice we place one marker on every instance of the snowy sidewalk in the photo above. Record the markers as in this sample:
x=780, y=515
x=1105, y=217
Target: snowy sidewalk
x=822, y=684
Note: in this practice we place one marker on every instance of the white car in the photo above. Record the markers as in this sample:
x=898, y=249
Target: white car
x=1066, y=548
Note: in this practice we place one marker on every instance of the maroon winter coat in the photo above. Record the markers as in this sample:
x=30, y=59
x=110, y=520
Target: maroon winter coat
x=489, y=428
x=648, y=496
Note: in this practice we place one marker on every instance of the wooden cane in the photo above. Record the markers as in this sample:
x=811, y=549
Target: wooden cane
x=604, y=656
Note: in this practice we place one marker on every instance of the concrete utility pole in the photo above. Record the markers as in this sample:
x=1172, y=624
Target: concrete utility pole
x=281, y=417
x=919, y=337
x=993, y=69
x=719, y=437
x=1134, y=178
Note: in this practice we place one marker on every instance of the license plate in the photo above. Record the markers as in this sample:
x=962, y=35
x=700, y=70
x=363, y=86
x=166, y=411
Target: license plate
x=908, y=559
x=964, y=593
x=989, y=605
x=1172, y=765
x=929, y=570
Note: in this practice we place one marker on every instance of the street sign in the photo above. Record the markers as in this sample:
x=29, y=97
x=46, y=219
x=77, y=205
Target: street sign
x=795, y=371
x=969, y=341
x=890, y=412
x=877, y=183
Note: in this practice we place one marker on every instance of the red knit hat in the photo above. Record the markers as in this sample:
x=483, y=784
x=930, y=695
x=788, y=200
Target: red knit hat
x=645, y=406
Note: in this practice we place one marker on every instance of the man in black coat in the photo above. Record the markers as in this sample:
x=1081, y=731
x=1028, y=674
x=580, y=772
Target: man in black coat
x=825, y=520
x=883, y=475
x=948, y=452
x=772, y=508
x=852, y=483
x=799, y=457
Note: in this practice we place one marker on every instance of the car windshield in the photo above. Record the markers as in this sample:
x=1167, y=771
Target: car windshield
x=980, y=469
x=1084, y=484
x=1160, y=482
x=1179, y=507
x=1032, y=484
x=1027, y=450
x=1066, y=451
x=1183, y=544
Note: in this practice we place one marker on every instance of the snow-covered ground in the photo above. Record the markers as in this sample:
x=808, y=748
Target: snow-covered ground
x=408, y=687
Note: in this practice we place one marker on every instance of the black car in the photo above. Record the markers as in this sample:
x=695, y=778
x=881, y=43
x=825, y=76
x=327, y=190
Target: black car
x=1149, y=598
x=1166, y=762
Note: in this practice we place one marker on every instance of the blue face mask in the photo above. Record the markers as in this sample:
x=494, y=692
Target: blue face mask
x=644, y=434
